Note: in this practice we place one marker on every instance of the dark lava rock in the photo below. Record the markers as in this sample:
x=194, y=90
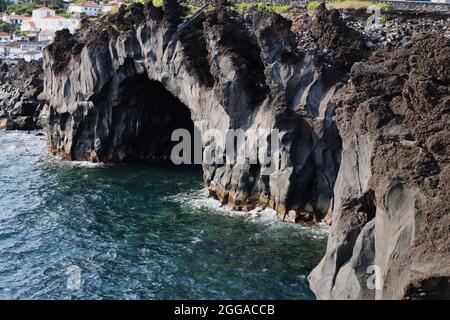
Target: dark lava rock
x=391, y=195
x=21, y=84
x=345, y=44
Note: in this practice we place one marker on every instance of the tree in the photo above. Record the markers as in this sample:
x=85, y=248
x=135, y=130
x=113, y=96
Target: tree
x=4, y=5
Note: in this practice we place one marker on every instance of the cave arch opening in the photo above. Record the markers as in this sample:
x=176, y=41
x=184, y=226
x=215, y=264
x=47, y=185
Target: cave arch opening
x=143, y=118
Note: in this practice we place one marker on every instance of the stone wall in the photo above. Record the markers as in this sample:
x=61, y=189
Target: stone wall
x=418, y=6
x=395, y=5
x=274, y=2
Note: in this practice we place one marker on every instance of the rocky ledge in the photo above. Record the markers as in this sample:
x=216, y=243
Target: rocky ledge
x=363, y=126
x=21, y=83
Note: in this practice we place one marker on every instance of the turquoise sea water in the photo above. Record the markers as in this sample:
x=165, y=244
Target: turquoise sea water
x=134, y=232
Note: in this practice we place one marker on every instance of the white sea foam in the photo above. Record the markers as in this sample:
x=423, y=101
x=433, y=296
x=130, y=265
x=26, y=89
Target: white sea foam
x=198, y=200
x=58, y=161
x=84, y=164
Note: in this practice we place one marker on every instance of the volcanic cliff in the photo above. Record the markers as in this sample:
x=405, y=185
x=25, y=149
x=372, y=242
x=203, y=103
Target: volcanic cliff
x=120, y=86
x=363, y=127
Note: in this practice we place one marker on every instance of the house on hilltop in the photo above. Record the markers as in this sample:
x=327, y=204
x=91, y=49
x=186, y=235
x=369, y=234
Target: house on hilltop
x=88, y=8
x=15, y=19
x=5, y=37
x=45, y=19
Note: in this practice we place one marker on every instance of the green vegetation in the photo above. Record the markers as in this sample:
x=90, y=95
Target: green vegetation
x=9, y=28
x=64, y=13
x=22, y=9
x=241, y=7
x=383, y=20
x=25, y=8
x=3, y=5
x=353, y=4
x=157, y=3
x=313, y=5
x=113, y=10
x=190, y=10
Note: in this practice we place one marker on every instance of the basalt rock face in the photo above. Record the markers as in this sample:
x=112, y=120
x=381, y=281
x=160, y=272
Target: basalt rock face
x=21, y=83
x=390, y=217
x=120, y=86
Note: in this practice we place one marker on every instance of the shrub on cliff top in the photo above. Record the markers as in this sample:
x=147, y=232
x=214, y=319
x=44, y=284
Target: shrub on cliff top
x=261, y=7
x=351, y=4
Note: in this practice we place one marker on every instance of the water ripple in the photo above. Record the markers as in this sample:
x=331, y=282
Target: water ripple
x=136, y=233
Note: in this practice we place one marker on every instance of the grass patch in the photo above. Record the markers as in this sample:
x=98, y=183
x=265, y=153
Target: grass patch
x=350, y=4
x=9, y=28
x=157, y=3
x=241, y=7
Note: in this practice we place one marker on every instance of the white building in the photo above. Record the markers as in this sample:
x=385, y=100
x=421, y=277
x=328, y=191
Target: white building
x=46, y=35
x=44, y=19
x=33, y=46
x=18, y=37
x=42, y=12
x=88, y=8
x=10, y=50
x=53, y=23
x=15, y=19
x=5, y=37
x=29, y=26
x=107, y=7
x=32, y=55
x=22, y=50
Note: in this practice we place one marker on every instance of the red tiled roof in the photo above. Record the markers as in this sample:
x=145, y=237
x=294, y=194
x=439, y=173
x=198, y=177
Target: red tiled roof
x=19, y=17
x=11, y=44
x=31, y=24
x=89, y=4
x=4, y=34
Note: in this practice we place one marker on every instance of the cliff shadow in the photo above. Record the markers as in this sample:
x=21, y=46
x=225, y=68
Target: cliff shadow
x=142, y=116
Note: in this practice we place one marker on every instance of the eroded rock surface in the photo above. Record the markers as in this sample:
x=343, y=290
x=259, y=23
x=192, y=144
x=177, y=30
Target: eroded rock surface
x=391, y=195
x=21, y=83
